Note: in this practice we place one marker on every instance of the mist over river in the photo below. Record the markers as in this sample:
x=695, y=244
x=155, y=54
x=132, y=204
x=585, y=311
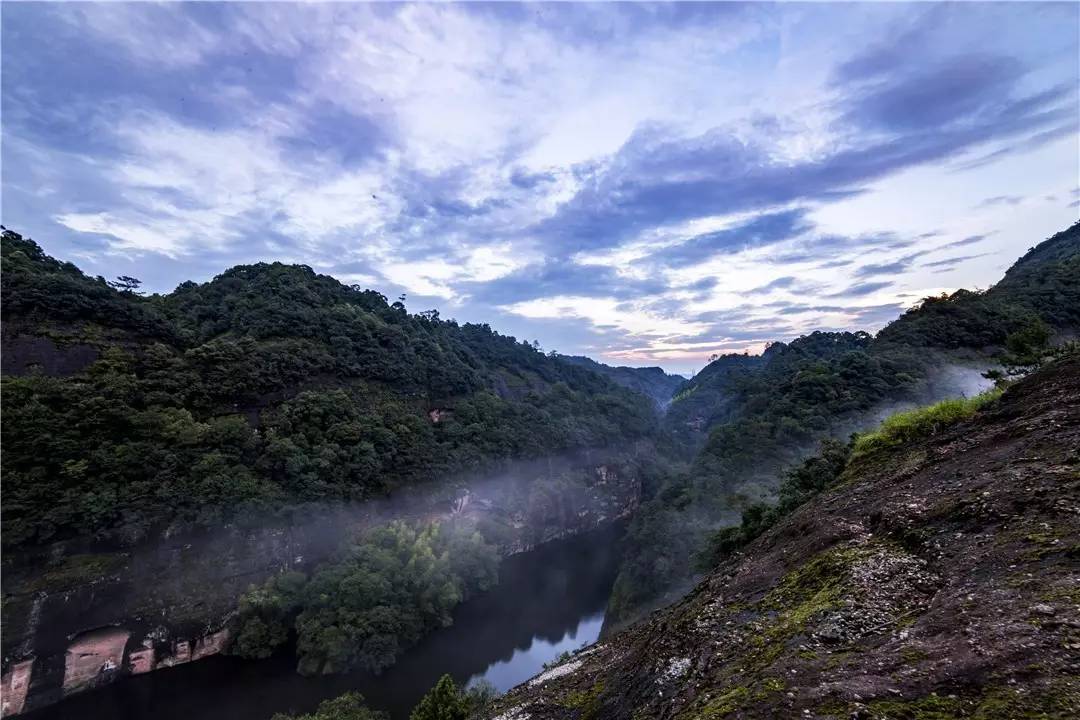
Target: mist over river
x=548, y=600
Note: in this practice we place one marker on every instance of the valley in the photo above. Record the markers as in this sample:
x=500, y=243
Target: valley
x=277, y=466
x=539, y=360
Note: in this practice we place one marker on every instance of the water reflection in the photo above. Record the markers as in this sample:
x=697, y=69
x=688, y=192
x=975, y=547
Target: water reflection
x=523, y=664
x=548, y=601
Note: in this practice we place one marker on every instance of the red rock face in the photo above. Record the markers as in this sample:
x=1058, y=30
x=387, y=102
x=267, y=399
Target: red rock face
x=183, y=651
x=13, y=687
x=92, y=656
x=141, y=661
x=211, y=644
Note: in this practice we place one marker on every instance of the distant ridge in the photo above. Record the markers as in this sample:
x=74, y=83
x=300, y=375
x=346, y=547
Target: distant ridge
x=651, y=381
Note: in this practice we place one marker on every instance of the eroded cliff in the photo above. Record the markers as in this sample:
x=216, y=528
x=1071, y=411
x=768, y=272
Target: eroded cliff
x=76, y=617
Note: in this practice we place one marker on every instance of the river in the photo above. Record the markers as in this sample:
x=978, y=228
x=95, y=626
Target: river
x=548, y=600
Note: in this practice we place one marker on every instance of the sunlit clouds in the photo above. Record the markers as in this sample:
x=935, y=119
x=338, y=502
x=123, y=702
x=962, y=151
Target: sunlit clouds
x=642, y=184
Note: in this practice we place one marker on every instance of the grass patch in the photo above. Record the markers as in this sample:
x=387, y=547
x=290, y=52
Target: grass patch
x=1045, y=703
x=921, y=423
x=727, y=703
x=586, y=702
x=931, y=707
x=769, y=687
x=913, y=655
x=804, y=593
x=815, y=585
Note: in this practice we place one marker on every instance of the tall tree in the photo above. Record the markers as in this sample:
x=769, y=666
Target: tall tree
x=126, y=283
x=442, y=702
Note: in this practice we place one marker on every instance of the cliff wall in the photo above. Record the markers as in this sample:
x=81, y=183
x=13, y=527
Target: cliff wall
x=77, y=615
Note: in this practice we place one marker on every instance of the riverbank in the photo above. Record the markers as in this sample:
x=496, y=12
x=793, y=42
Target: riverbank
x=549, y=600
x=93, y=616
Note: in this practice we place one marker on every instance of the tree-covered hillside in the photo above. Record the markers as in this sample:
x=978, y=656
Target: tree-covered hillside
x=927, y=573
x=1039, y=289
x=267, y=387
x=650, y=381
x=272, y=386
x=763, y=414
x=704, y=400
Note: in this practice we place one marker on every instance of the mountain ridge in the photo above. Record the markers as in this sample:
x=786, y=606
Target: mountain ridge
x=413, y=396
x=930, y=580
x=767, y=413
x=654, y=382
x=271, y=393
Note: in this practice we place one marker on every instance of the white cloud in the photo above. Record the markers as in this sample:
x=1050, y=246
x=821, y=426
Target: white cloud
x=130, y=234
x=351, y=201
x=437, y=277
x=460, y=99
x=491, y=262
x=631, y=318
x=190, y=188
x=159, y=33
x=423, y=278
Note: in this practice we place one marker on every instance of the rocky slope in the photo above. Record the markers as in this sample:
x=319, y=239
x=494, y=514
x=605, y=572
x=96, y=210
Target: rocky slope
x=744, y=419
x=935, y=580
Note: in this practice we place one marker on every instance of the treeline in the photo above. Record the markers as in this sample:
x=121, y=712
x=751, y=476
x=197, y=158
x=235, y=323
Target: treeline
x=799, y=484
x=650, y=381
x=826, y=469
x=445, y=701
x=799, y=393
x=379, y=597
x=761, y=414
x=1041, y=289
x=268, y=387
x=706, y=399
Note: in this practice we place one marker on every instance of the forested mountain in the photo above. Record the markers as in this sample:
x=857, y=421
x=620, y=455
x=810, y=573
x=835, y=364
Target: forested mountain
x=926, y=574
x=271, y=390
x=705, y=399
x=650, y=381
x=272, y=385
x=1038, y=294
x=268, y=387
x=760, y=415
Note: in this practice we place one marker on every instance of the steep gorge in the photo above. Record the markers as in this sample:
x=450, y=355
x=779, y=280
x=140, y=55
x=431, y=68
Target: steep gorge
x=163, y=454
x=168, y=453
x=936, y=579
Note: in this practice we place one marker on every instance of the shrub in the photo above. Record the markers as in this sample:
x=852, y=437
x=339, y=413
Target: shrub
x=921, y=423
x=799, y=485
x=445, y=701
x=349, y=706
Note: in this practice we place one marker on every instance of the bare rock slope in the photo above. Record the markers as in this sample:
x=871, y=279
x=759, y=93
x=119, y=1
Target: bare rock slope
x=937, y=580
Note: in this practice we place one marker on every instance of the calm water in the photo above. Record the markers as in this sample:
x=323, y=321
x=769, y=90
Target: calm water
x=547, y=601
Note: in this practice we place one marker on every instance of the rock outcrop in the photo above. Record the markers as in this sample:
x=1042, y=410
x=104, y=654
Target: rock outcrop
x=937, y=580
x=94, y=657
x=14, y=685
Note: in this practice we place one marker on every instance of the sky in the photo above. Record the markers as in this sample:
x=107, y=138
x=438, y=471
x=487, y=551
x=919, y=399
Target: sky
x=643, y=184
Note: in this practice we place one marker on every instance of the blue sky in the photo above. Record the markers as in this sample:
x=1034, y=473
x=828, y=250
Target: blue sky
x=645, y=184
